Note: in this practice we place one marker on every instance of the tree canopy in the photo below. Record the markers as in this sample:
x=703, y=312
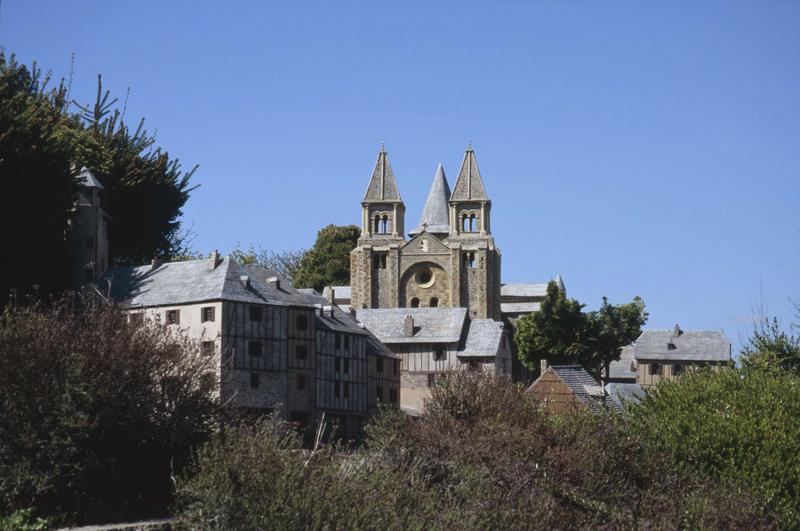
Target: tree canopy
x=44, y=141
x=327, y=263
x=285, y=263
x=561, y=332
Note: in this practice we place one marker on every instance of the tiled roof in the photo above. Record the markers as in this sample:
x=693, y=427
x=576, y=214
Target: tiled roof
x=431, y=325
x=519, y=307
x=619, y=393
x=483, y=338
x=436, y=213
x=624, y=367
x=689, y=345
x=582, y=384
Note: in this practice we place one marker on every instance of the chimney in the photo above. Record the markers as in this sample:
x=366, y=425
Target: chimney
x=327, y=311
x=216, y=259
x=676, y=332
x=245, y=280
x=155, y=263
x=408, y=326
x=274, y=282
x=331, y=295
x=542, y=366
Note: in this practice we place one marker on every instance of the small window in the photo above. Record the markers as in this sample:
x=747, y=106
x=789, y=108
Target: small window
x=431, y=379
x=207, y=348
x=337, y=365
x=393, y=395
x=254, y=348
x=379, y=261
x=301, y=382
x=301, y=352
x=677, y=369
x=207, y=314
x=301, y=322
x=469, y=260
x=439, y=353
x=346, y=390
x=415, y=302
x=434, y=302
x=474, y=366
x=137, y=319
x=347, y=365
x=256, y=313
x=338, y=340
x=254, y=381
x=379, y=364
x=655, y=369
x=671, y=346
x=379, y=393
x=173, y=317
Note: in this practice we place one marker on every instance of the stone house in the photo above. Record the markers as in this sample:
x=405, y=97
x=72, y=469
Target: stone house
x=273, y=345
x=666, y=354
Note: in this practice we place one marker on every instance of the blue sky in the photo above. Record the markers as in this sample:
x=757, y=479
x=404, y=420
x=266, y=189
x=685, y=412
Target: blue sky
x=636, y=148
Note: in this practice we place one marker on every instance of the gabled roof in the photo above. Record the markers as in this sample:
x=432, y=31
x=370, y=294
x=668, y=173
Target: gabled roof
x=435, y=214
x=483, y=339
x=431, y=325
x=682, y=345
x=192, y=281
x=469, y=185
x=621, y=393
x=88, y=179
x=586, y=388
x=382, y=186
x=625, y=366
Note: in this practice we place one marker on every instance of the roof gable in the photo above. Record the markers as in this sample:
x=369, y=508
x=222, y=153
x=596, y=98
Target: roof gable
x=382, y=186
x=469, y=185
x=425, y=243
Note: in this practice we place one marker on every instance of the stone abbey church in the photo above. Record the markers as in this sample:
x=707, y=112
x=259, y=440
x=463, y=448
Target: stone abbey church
x=435, y=298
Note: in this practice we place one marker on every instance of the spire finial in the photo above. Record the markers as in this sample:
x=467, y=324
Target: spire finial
x=469, y=145
x=383, y=147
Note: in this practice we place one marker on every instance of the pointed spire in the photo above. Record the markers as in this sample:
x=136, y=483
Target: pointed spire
x=434, y=216
x=469, y=185
x=87, y=179
x=382, y=186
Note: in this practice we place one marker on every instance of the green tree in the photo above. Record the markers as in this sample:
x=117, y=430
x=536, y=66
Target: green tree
x=736, y=424
x=36, y=175
x=770, y=347
x=286, y=263
x=327, y=263
x=561, y=332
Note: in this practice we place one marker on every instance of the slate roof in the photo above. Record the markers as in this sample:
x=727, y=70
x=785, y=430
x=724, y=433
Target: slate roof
x=519, y=307
x=382, y=186
x=436, y=213
x=88, y=179
x=690, y=345
x=342, y=293
x=582, y=384
x=620, y=393
x=624, y=367
x=483, y=338
x=520, y=290
x=431, y=325
x=469, y=185
x=193, y=281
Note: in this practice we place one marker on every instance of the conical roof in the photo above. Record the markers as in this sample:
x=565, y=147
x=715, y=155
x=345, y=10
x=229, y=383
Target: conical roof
x=469, y=185
x=382, y=186
x=88, y=179
x=435, y=215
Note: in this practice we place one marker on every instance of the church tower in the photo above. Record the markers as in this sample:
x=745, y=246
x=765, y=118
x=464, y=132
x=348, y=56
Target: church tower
x=472, y=243
x=375, y=261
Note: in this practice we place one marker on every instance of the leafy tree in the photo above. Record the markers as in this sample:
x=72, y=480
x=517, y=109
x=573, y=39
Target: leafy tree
x=37, y=178
x=561, y=332
x=770, y=347
x=286, y=263
x=327, y=263
x=96, y=412
x=736, y=424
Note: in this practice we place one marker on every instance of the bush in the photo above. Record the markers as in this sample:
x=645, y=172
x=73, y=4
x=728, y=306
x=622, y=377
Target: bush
x=483, y=455
x=95, y=412
x=737, y=425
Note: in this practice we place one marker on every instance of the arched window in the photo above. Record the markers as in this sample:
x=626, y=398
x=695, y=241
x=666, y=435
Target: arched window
x=376, y=227
x=469, y=259
x=464, y=223
x=415, y=302
x=387, y=225
x=473, y=227
x=434, y=302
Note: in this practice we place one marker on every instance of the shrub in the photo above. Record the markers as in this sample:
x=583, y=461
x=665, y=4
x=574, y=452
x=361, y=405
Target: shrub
x=95, y=412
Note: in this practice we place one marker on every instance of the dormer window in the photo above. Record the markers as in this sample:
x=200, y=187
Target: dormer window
x=671, y=346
